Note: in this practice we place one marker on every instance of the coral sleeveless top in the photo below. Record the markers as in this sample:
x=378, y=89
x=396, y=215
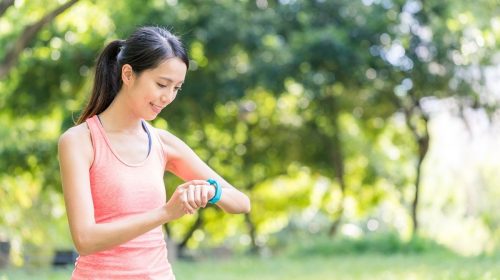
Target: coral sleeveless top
x=120, y=189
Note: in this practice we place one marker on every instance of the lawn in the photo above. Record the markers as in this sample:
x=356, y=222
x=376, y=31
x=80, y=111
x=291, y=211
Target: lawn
x=365, y=266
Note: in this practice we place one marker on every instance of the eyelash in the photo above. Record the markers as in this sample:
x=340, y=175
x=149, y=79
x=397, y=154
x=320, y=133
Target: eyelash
x=163, y=86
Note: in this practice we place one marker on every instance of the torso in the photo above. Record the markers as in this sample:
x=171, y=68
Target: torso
x=120, y=189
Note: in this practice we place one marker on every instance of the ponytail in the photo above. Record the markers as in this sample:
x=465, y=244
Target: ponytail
x=107, y=81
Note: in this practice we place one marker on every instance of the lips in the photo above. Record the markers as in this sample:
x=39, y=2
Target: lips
x=157, y=109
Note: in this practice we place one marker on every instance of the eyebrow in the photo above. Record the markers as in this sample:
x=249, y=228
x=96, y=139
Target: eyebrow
x=170, y=80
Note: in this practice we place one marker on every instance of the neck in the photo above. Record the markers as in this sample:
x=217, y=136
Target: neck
x=118, y=117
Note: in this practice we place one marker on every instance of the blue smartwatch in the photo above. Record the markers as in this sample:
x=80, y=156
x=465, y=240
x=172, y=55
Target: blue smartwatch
x=218, y=191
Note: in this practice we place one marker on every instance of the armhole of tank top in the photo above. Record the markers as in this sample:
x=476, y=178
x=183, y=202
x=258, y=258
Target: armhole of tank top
x=92, y=143
x=162, y=148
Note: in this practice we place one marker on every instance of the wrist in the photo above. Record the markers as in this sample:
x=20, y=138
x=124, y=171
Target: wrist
x=165, y=214
x=218, y=191
x=211, y=191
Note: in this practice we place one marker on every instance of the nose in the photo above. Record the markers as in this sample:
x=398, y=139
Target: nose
x=168, y=96
x=164, y=98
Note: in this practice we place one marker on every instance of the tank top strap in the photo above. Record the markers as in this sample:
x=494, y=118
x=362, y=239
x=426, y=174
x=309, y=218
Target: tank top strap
x=157, y=144
x=98, y=140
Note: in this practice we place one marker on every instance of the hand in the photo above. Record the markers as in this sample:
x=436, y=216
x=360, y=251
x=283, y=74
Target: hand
x=196, y=194
x=188, y=197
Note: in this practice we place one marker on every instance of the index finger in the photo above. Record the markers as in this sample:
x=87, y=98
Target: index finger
x=193, y=182
x=198, y=182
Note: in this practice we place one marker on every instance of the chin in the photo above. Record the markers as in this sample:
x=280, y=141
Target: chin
x=150, y=118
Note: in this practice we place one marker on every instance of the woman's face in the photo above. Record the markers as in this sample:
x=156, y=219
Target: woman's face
x=154, y=89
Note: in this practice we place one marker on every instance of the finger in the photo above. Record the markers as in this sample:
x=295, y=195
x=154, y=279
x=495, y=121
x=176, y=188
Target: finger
x=189, y=210
x=204, y=196
x=186, y=185
x=184, y=200
x=198, y=182
x=197, y=195
x=182, y=195
x=190, y=197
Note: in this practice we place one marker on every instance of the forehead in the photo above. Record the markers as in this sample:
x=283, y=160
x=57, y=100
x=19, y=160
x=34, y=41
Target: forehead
x=172, y=68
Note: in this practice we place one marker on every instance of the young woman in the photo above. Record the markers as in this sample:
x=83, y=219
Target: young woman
x=113, y=161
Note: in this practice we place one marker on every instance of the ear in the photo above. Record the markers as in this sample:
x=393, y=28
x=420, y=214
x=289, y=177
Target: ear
x=128, y=75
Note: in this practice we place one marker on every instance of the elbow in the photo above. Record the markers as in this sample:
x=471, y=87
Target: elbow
x=83, y=245
x=248, y=207
x=81, y=248
x=245, y=207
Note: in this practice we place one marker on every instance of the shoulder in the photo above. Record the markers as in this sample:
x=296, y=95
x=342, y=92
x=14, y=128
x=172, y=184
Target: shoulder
x=74, y=134
x=76, y=140
x=174, y=146
x=182, y=160
x=167, y=138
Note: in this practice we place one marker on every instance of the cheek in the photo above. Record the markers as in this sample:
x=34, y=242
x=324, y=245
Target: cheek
x=147, y=91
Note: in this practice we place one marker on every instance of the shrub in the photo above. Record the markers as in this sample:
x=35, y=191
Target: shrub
x=380, y=243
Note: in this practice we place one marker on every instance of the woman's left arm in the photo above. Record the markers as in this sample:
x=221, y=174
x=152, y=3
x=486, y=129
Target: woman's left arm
x=187, y=165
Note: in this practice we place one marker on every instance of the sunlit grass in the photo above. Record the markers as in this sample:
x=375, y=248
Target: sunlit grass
x=366, y=266
x=371, y=266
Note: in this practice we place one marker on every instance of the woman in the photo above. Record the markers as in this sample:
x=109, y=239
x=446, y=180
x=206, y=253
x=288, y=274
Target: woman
x=112, y=163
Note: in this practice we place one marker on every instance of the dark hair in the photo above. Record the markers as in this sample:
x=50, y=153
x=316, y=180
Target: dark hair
x=145, y=49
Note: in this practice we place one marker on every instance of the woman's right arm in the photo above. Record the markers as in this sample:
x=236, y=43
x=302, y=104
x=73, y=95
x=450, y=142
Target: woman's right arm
x=75, y=159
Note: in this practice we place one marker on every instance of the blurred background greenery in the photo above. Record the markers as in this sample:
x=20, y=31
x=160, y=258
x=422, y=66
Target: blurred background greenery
x=365, y=132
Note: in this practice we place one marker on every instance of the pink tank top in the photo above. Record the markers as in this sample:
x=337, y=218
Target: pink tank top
x=120, y=189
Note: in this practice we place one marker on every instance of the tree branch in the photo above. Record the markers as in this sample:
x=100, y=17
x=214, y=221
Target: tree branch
x=4, y=5
x=26, y=36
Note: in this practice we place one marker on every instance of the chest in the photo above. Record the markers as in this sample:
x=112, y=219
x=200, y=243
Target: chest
x=130, y=148
x=126, y=190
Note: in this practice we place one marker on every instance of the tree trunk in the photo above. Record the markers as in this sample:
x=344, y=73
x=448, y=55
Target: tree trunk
x=254, y=248
x=337, y=161
x=4, y=5
x=182, y=245
x=422, y=139
x=339, y=170
x=423, y=148
x=27, y=35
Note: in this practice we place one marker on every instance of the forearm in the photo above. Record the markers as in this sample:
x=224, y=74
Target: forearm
x=233, y=201
x=97, y=237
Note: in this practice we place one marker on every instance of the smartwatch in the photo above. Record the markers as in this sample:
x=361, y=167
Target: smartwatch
x=218, y=191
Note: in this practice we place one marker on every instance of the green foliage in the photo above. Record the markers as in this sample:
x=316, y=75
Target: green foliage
x=281, y=96
x=385, y=243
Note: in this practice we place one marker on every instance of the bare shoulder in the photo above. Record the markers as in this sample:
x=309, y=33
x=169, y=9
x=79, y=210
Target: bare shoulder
x=174, y=146
x=76, y=133
x=76, y=140
x=167, y=138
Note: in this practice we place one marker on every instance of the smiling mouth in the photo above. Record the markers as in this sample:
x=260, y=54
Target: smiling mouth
x=156, y=108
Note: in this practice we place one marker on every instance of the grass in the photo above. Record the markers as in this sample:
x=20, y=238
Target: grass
x=374, y=257
x=366, y=266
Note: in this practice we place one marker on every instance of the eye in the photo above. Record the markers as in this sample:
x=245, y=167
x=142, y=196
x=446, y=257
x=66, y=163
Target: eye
x=161, y=86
